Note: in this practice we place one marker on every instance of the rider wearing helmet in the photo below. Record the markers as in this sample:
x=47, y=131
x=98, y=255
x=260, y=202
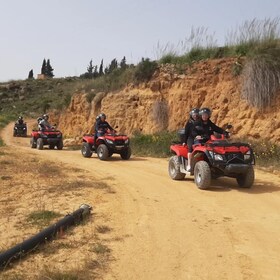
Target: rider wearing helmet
x=20, y=120
x=44, y=123
x=101, y=126
x=189, y=139
x=205, y=127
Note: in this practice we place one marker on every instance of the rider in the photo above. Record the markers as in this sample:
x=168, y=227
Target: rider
x=20, y=120
x=189, y=138
x=44, y=123
x=101, y=126
x=204, y=128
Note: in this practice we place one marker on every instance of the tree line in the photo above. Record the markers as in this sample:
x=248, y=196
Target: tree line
x=46, y=70
x=94, y=71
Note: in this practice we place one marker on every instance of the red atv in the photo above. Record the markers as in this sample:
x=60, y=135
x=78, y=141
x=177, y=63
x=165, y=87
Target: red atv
x=215, y=158
x=107, y=145
x=50, y=137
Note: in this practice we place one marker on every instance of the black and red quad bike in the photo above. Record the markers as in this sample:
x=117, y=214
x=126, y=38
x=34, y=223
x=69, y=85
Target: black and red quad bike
x=107, y=145
x=20, y=130
x=50, y=137
x=213, y=159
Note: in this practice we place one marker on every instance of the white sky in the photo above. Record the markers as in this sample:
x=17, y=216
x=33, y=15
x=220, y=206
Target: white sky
x=72, y=32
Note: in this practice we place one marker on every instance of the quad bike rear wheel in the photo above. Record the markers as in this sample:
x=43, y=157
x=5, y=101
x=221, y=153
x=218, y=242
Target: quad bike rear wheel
x=102, y=152
x=174, y=169
x=202, y=175
x=126, y=154
x=40, y=144
x=86, y=150
x=32, y=143
x=60, y=145
x=246, y=180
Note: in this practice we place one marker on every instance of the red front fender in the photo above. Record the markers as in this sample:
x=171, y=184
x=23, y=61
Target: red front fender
x=179, y=150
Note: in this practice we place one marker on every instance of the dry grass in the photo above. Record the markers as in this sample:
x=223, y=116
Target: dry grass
x=33, y=193
x=261, y=80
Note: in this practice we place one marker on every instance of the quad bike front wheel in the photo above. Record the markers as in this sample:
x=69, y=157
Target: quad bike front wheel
x=174, y=169
x=102, y=152
x=126, y=154
x=202, y=175
x=32, y=143
x=246, y=180
x=40, y=144
x=86, y=150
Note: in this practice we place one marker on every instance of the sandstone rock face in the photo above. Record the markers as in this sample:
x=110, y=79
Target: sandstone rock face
x=205, y=84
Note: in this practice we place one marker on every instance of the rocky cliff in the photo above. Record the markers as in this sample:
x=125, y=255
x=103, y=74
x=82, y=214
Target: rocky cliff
x=164, y=103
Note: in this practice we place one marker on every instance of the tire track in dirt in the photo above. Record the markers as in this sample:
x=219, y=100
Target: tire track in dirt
x=168, y=229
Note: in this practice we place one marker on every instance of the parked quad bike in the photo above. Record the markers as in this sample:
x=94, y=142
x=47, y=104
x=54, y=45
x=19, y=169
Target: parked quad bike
x=213, y=159
x=107, y=145
x=20, y=130
x=51, y=137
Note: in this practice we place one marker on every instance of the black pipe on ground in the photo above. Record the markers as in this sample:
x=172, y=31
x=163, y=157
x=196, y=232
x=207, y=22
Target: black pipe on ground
x=47, y=234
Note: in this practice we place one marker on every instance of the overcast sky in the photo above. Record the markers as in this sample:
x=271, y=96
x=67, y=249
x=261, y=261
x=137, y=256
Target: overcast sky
x=72, y=32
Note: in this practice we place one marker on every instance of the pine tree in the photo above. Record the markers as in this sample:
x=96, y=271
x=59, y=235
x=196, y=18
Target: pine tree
x=90, y=68
x=95, y=72
x=101, y=68
x=113, y=65
x=123, y=64
x=44, y=67
x=30, y=74
x=49, y=69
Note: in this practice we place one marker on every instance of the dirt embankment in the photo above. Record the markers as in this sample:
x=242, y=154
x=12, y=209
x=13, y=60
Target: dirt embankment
x=208, y=83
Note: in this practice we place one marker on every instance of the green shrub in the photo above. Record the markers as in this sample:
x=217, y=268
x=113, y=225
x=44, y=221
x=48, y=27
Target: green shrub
x=236, y=69
x=145, y=70
x=156, y=145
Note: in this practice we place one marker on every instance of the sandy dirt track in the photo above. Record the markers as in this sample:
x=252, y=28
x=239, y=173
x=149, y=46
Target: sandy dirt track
x=172, y=230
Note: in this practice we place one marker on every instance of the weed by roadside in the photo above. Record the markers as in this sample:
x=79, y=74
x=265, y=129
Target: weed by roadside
x=156, y=145
x=42, y=218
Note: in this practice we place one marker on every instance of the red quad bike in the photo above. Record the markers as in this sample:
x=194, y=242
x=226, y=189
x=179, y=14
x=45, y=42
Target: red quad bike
x=107, y=145
x=215, y=158
x=51, y=137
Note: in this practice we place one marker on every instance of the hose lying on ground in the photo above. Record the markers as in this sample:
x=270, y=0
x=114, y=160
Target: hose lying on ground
x=47, y=234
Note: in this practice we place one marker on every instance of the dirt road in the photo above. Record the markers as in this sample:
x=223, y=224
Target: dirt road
x=171, y=230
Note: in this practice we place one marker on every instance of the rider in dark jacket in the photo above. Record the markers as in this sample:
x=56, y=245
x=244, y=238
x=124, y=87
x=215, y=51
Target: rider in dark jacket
x=204, y=128
x=101, y=126
x=20, y=120
x=189, y=138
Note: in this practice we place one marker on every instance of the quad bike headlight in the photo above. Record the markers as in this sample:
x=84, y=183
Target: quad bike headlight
x=247, y=155
x=110, y=142
x=126, y=141
x=218, y=157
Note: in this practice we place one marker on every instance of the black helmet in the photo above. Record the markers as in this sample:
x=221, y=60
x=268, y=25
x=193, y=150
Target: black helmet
x=194, y=111
x=45, y=117
x=102, y=115
x=20, y=118
x=205, y=111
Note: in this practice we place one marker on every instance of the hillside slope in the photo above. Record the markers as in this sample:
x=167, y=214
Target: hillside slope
x=209, y=83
